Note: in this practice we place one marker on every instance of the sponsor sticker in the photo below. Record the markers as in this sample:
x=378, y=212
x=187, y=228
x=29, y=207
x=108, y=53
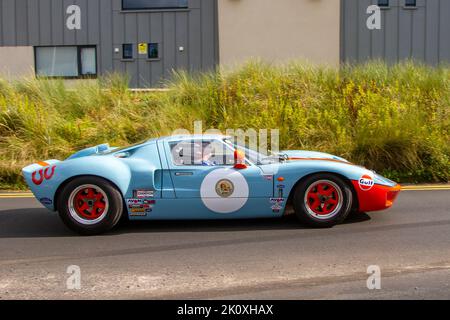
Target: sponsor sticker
x=134, y=201
x=277, y=204
x=46, y=201
x=277, y=200
x=140, y=201
x=142, y=194
x=139, y=212
x=140, y=207
x=276, y=208
x=366, y=182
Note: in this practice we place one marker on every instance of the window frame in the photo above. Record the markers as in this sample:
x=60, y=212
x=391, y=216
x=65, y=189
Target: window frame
x=409, y=6
x=148, y=53
x=123, y=51
x=79, y=65
x=193, y=165
x=387, y=5
x=152, y=8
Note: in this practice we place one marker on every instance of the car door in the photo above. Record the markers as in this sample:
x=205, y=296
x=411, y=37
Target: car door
x=216, y=179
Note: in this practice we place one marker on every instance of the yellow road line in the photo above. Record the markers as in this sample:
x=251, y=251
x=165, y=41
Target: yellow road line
x=425, y=188
x=20, y=195
x=428, y=189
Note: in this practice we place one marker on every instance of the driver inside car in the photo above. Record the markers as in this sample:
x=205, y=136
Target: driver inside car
x=207, y=155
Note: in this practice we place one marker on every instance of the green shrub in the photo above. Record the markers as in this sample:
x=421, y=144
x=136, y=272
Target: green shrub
x=392, y=119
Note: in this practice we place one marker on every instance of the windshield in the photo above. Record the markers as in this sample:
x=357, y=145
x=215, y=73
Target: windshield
x=115, y=150
x=251, y=154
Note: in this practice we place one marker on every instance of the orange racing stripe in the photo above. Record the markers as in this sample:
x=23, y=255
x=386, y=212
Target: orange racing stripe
x=318, y=159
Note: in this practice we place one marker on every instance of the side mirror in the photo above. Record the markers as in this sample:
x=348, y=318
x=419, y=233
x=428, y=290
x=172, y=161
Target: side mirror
x=239, y=160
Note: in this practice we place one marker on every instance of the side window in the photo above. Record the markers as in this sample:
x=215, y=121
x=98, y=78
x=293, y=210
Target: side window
x=201, y=153
x=221, y=154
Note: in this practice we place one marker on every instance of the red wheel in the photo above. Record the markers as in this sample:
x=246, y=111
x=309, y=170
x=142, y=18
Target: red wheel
x=322, y=200
x=88, y=204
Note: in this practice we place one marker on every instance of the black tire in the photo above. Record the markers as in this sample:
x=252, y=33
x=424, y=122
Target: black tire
x=110, y=196
x=306, y=207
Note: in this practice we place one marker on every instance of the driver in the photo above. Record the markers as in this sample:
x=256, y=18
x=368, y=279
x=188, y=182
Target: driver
x=207, y=155
x=203, y=155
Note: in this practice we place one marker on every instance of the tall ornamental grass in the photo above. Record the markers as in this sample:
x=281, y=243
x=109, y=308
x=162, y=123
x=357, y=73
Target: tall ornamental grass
x=393, y=119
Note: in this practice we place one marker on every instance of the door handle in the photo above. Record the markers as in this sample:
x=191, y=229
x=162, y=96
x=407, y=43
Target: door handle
x=184, y=173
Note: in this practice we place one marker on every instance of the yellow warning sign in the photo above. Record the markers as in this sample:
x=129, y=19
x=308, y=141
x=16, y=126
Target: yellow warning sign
x=143, y=48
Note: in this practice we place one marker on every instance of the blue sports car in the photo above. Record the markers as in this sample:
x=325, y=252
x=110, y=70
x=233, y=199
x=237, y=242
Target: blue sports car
x=203, y=177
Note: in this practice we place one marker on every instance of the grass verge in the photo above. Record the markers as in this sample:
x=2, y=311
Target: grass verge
x=393, y=119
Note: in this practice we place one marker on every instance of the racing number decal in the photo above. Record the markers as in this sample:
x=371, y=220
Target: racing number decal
x=224, y=191
x=43, y=174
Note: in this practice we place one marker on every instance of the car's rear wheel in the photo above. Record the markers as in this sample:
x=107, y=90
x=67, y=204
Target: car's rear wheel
x=322, y=200
x=90, y=205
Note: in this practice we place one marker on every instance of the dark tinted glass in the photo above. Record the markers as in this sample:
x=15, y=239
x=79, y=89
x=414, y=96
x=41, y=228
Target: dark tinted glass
x=153, y=51
x=153, y=4
x=127, y=52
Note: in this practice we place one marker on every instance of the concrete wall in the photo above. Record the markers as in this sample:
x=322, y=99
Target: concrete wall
x=420, y=33
x=278, y=30
x=16, y=62
x=105, y=25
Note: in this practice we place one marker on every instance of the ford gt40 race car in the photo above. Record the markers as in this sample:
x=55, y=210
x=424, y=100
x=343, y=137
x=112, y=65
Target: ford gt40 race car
x=203, y=177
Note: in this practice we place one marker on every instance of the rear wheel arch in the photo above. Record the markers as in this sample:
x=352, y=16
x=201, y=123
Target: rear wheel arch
x=90, y=205
x=68, y=180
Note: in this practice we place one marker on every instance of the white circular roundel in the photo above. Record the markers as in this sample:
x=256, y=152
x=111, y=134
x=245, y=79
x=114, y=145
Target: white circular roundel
x=224, y=191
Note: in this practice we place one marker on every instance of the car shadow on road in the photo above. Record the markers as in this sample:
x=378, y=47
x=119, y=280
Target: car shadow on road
x=39, y=223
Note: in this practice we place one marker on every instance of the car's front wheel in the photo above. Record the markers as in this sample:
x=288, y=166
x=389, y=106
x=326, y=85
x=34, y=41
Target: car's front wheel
x=90, y=205
x=322, y=200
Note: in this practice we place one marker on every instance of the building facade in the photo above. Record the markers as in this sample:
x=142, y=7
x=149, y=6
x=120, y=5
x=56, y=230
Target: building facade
x=148, y=39
x=85, y=38
x=410, y=29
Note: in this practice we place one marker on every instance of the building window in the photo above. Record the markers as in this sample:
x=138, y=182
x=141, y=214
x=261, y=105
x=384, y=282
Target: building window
x=153, y=4
x=66, y=61
x=153, y=51
x=127, y=52
x=88, y=61
x=410, y=3
x=383, y=3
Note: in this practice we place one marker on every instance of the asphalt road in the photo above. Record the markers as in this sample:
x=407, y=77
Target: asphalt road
x=258, y=259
